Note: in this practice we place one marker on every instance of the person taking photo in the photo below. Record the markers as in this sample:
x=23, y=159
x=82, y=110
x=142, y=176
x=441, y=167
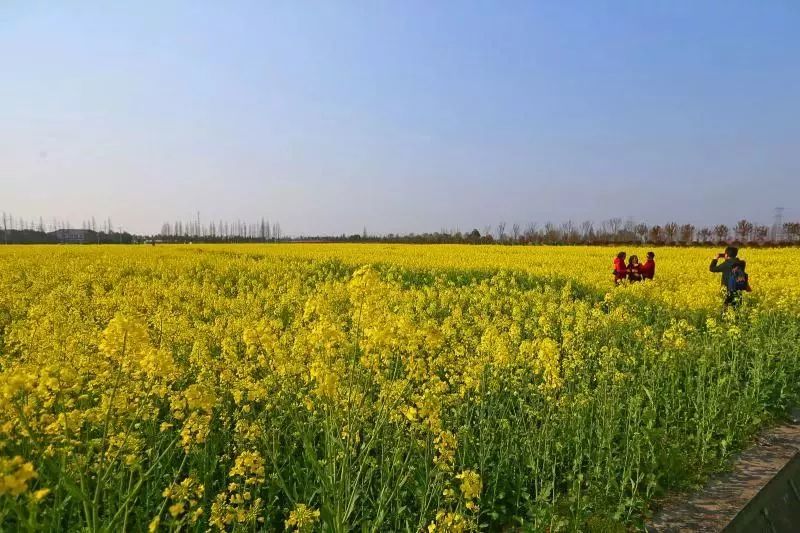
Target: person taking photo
x=732, y=269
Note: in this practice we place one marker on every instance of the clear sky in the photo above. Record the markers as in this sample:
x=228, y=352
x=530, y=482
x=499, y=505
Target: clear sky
x=399, y=116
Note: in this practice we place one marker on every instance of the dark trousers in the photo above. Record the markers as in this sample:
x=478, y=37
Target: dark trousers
x=733, y=299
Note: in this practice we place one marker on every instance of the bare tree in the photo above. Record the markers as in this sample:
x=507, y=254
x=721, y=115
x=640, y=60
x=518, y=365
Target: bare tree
x=569, y=232
x=761, y=233
x=587, y=231
x=687, y=233
x=629, y=230
x=743, y=229
x=501, y=231
x=657, y=234
x=792, y=230
x=614, y=225
x=515, y=229
x=721, y=231
x=5, y=228
x=550, y=233
x=704, y=235
x=670, y=231
x=531, y=231
x=641, y=232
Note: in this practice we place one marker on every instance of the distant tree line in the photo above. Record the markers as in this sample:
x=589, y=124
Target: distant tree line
x=611, y=231
x=220, y=231
x=18, y=230
x=15, y=230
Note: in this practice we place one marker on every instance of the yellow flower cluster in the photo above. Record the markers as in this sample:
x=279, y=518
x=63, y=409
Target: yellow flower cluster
x=15, y=474
x=238, y=504
x=302, y=518
x=471, y=485
x=185, y=497
x=388, y=387
x=447, y=522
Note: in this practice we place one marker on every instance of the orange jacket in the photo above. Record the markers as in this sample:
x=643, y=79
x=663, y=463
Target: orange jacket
x=620, y=270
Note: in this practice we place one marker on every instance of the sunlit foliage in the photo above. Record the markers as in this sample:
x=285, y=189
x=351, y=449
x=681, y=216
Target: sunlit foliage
x=375, y=387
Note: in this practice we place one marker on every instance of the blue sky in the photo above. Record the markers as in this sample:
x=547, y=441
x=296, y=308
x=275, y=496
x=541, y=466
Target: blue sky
x=399, y=116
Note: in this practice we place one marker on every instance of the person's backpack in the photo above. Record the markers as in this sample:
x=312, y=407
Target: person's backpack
x=738, y=280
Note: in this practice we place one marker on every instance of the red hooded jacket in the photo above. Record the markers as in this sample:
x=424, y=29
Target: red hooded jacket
x=648, y=269
x=620, y=270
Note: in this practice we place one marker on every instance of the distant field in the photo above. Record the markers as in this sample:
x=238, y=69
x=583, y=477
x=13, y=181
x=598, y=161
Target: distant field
x=376, y=387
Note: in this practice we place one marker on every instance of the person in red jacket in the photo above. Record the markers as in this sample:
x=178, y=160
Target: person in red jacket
x=620, y=269
x=648, y=269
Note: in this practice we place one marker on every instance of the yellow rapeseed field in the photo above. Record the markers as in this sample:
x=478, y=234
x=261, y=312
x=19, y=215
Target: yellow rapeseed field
x=376, y=387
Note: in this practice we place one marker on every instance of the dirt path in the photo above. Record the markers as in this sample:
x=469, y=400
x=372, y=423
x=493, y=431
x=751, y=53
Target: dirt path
x=762, y=492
